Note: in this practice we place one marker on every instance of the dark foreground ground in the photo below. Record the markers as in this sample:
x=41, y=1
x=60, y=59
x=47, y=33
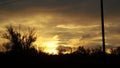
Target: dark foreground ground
x=59, y=61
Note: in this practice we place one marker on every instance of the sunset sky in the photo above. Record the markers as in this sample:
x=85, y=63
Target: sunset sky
x=64, y=22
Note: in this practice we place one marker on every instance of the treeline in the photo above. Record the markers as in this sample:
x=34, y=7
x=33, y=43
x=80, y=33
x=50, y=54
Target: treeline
x=20, y=50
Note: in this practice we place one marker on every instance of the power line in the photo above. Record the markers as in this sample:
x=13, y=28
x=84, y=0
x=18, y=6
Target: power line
x=7, y=2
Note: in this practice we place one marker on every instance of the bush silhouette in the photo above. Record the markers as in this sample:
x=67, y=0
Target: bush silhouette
x=115, y=51
x=63, y=49
x=19, y=41
x=81, y=50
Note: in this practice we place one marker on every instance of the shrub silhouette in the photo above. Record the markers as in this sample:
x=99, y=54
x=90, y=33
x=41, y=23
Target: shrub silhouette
x=97, y=51
x=19, y=41
x=7, y=46
x=63, y=49
x=115, y=51
x=81, y=50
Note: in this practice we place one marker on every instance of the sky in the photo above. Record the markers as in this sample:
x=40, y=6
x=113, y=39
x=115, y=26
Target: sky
x=64, y=22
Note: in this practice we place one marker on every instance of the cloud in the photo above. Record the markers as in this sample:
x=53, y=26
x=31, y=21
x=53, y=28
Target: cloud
x=111, y=8
x=70, y=19
x=77, y=7
x=78, y=11
x=73, y=7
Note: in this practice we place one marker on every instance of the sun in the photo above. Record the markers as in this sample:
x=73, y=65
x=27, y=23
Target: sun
x=108, y=51
x=50, y=47
x=51, y=51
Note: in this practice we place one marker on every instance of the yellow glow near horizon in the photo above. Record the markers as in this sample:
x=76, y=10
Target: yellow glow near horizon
x=49, y=46
x=108, y=51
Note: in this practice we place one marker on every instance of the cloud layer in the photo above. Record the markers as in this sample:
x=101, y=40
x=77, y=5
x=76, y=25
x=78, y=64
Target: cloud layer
x=69, y=19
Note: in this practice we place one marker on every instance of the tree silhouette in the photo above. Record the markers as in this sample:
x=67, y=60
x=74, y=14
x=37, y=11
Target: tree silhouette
x=7, y=46
x=115, y=51
x=81, y=50
x=97, y=51
x=19, y=41
x=64, y=49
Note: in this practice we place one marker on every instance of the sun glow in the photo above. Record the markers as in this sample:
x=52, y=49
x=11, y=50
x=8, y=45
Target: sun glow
x=53, y=46
x=108, y=51
x=49, y=45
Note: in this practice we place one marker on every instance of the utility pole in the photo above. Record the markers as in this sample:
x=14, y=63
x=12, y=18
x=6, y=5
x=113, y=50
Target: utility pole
x=102, y=24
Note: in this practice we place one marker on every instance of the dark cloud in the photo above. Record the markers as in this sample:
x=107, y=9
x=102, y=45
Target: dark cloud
x=86, y=7
x=65, y=8
x=112, y=7
x=4, y=2
x=113, y=30
x=62, y=6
